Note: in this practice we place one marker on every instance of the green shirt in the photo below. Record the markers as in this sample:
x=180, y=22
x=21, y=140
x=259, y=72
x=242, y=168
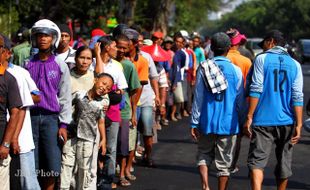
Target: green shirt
x=133, y=82
x=200, y=56
x=21, y=52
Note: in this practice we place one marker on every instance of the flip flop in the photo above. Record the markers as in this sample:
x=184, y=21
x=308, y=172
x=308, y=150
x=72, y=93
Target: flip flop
x=124, y=182
x=131, y=177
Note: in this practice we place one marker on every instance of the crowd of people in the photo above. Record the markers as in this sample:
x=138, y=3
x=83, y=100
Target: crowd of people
x=80, y=118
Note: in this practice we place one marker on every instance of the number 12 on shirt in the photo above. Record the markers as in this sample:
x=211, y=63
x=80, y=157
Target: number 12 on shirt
x=277, y=74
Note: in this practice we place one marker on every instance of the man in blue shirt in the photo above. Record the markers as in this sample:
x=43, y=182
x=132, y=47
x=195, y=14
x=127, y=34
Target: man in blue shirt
x=216, y=116
x=275, y=111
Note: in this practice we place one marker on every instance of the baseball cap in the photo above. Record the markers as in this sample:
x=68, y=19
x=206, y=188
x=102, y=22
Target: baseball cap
x=131, y=34
x=273, y=34
x=147, y=42
x=235, y=37
x=97, y=32
x=119, y=29
x=93, y=41
x=158, y=35
x=220, y=41
x=168, y=39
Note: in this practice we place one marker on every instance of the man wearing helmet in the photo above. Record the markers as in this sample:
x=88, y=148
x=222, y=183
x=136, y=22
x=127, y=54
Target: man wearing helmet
x=50, y=117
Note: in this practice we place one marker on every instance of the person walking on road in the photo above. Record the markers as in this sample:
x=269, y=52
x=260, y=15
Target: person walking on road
x=275, y=110
x=218, y=110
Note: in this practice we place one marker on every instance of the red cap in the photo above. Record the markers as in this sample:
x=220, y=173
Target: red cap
x=97, y=32
x=158, y=34
x=157, y=53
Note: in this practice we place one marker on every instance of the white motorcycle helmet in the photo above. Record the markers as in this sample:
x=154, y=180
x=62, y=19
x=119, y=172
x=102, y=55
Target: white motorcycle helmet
x=45, y=26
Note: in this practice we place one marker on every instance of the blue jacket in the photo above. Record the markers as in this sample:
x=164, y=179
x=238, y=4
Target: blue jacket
x=219, y=113
x=277, y=82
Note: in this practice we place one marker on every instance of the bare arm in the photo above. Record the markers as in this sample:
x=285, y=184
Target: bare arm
x=134, y=99
x=36, y=98
x=154, y=84
x=99, y=63
x=102, y=143
x=163, y=97
x=298, y=118
x=19, y=125
x=247, y=126
x=9, y=132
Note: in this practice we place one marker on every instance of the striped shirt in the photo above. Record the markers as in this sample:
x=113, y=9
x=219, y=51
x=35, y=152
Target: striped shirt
x=52, y=77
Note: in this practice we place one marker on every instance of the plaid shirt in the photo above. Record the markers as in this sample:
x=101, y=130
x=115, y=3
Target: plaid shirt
x=213, y=77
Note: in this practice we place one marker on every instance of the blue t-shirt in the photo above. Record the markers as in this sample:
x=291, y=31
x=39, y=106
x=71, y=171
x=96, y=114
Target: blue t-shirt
x=179, y=60
x=277, y=82
x=165, y=65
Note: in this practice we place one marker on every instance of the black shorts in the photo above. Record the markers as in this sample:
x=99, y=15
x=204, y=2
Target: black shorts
x=261, y=144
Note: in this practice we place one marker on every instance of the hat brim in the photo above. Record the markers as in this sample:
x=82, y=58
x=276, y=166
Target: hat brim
x=239, y=39
x=261, y=44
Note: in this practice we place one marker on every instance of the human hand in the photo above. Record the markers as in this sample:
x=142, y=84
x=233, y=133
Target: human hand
x=162, y=110
x=296, y=136
x=157, y=100
x=105, y=108
x=15, y=146
x=247, y=128
x=97, y=48
x=4, y=152
x=62, y=134
x=195, y=133
x=173, y=88
x=134, y=120
x=102, y=146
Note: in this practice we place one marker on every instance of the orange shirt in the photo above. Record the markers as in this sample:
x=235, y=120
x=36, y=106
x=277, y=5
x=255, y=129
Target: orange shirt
x=142, y=67
x=241, y=61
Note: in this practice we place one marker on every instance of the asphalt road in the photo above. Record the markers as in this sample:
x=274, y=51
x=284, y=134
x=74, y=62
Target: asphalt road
x=175, y=152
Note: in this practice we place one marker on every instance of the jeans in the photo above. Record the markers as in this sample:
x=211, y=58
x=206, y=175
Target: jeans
x=28, y=178
x=47, y=146
x=110, y=157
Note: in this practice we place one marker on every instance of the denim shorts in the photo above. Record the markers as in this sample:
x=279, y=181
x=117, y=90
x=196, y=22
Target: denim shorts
x=145, y=120
x=47, y=144
x=261, y=144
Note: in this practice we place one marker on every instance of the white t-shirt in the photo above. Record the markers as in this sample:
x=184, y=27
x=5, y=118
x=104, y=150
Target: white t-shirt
x=68, y=57
x=148, y=95
x=115, y=69
x=26, y=86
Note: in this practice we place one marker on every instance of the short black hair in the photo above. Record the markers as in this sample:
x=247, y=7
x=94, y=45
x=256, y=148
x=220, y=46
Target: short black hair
x=122, y=37
x=105, y=41
x=100, y=75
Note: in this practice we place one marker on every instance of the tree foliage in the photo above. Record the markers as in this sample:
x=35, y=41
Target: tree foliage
x=255, y=17
x=9, y=22
x=152, y=15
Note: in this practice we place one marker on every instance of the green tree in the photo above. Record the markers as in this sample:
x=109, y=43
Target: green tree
x=9, y=22
x=256, y=17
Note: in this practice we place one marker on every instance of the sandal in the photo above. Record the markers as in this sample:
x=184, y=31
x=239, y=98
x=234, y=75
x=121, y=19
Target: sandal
x=124, y=182
x=131, y=177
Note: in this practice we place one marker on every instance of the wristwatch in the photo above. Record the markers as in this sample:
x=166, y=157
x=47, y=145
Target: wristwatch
x=163, y=105
x=6, y=144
